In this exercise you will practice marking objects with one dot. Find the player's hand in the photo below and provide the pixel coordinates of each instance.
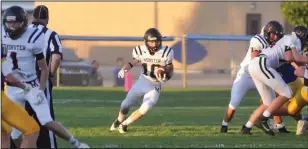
(121, 73)
(27, 88)
(35, 96)
(161, 78)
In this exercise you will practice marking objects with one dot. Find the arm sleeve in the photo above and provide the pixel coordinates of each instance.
(170, 56)
(56, 45)
(256, 44)
(136, 53)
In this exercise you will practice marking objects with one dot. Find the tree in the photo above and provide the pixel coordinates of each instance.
(296, 13)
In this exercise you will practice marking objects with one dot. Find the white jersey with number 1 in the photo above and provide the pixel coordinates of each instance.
(21, 60)
(162, 57)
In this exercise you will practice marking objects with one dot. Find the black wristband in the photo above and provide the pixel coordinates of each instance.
(51, 75)
(130, 64)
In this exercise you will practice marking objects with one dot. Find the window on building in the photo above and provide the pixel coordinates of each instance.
(253, 24)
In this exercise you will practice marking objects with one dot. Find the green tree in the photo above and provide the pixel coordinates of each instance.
(296, 13)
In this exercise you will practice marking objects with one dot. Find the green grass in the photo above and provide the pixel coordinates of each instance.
(182, 118)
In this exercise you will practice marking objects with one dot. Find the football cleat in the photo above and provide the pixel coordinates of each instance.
(115, 125)
(223, 129)
(246, 130)
(122, 128)
(301, 126)
(283, 130)
(263, 125)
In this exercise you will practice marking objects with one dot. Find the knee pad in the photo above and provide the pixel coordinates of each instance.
(15, 134)
(287, 92)
(145, 107)
(234, 103)
(125, 105)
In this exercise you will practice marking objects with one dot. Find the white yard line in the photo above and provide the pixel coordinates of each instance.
(67, 101)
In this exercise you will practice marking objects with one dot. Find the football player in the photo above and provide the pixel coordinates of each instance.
(154, 58)
(24, 47)
(267, 80)
(302, 124)
(243, 81)
(286, 71)
(14, 115)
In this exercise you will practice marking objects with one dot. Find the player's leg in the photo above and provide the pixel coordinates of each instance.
(267, 94)
(42, 112)
(16, 116)
(261, 77)
(303, 124)
(276, 83)
(46, 137)
(131, 98)
(6, 130)
(17, 96)
(149, 100)
(240, 86)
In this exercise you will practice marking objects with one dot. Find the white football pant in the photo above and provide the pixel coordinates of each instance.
(142, 87)
(42, 110)
(267, 80)
(242, 83)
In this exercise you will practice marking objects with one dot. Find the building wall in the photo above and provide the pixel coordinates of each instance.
(171, 18)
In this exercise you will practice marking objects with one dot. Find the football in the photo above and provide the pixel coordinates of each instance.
(161, 71)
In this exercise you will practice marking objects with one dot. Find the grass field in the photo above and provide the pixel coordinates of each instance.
(182, 118)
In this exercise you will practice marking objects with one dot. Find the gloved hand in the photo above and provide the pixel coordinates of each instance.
(27, 88)
(161, 78)
(121, 73)
(35, 96)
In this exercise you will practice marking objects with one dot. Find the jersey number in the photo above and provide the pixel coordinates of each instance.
(14, 60)
(151, 71)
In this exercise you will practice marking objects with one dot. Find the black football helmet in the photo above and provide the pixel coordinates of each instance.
(302, 33)
(273, 27)
(152, 34)
(15, 14)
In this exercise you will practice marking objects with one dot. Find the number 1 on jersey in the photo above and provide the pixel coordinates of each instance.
(13, 56)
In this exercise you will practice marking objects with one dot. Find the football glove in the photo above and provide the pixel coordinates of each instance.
(27, 88)
(161, 78)
(35, 96)
(121, 73)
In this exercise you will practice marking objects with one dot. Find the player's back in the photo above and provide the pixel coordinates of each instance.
(21, 53)
(257, 42)
(275, 55)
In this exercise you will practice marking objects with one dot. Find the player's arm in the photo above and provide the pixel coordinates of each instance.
(294, 65)
(256, 46)
(41, 61)
(130, 65)
(9, 77)
(292, 55)
(136, 59)
(300, 71)
(169, 67)
(56, 53)
(14, 82)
